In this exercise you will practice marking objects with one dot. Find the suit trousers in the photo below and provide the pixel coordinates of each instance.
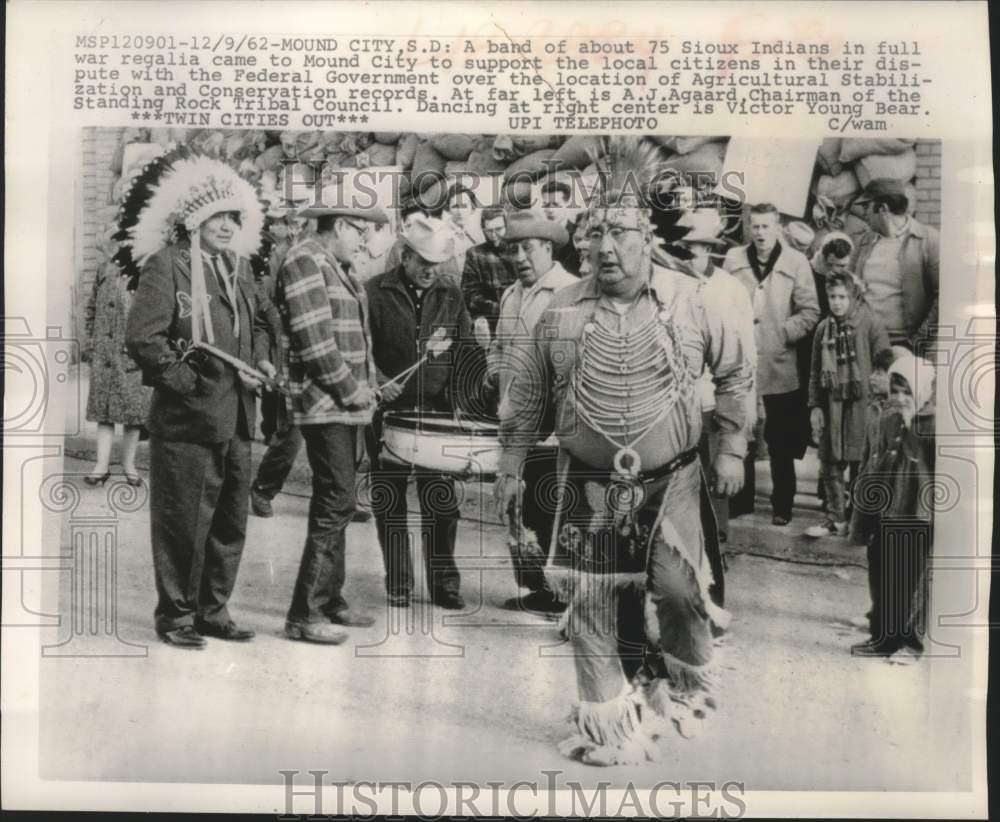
(198, 516)
(332, 452)
(782, 432)
(439, 515)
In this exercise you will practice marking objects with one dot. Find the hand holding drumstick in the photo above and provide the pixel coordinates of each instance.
(437, 344)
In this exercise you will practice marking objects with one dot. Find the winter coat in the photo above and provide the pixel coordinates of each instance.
(919, 264)
(870, 337)
(398, 341)
(117, 394)
(785, 310)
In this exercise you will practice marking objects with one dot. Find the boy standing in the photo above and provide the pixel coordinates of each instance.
(898, 472)
(843, 351)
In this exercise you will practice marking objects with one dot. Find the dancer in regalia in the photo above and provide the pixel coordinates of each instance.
(612, 371)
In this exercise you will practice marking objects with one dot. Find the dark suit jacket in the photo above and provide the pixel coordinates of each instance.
(198, 398)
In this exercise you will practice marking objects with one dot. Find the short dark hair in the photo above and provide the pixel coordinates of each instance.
(457, 190)
(883, 359)
(837, 247)
(491, 213)
(557, 186)
(765, 208)
(325, 223)
(897, 203)
(410, 207)
(844, 280)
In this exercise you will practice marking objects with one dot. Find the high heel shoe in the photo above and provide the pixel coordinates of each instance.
(133, 479)
(90, 479)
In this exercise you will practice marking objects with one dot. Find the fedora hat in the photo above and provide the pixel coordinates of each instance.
(430, 238)
(344, 198)
(881, 187)
(705, 225)
(522, 225)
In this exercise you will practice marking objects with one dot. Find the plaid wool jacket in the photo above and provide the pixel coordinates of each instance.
(326, 337)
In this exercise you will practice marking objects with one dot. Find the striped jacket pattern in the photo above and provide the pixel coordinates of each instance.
(326, 337)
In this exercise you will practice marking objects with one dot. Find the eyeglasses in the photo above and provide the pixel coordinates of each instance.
(615, 232)
(361, 229)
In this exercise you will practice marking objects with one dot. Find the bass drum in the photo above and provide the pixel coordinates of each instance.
(437, 441)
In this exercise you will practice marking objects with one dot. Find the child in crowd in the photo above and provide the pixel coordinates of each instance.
(893, 514)
(844, 349)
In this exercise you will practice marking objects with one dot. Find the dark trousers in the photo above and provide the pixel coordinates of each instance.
(898, 582)
(278, 459)
(198, 498)
(332, 452)
(439, 517)
(782, 432)
(538, 510)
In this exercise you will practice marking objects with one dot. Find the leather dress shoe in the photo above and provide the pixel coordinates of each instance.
(227, 630)
(537, 602)
(451, 601)
(259, 504)
(876, 648)
(183, 637)
(322, 633)
(352, 619)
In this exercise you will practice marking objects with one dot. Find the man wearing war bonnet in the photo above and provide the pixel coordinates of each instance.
(188, 227)
(612, 370)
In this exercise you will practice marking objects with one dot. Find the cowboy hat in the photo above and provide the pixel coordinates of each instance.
(343, 197)
(430, 238)
(522, 225)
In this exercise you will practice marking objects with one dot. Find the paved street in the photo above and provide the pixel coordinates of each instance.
(480, 694)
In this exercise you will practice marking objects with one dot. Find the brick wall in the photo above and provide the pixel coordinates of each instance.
(94, 209)
(928, 182)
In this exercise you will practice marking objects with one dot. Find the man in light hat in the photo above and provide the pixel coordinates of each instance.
(532, 241)
(897, 261)
(332, 381)
(408, 304)
(722, 290)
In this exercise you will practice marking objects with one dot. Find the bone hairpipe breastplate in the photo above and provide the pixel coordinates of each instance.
(625, 386)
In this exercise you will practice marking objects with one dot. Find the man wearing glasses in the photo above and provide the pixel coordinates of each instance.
(613, 371)
(332, 380)
(897, 262)
(487, 272)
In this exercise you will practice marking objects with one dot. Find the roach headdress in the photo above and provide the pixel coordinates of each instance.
(634, 190)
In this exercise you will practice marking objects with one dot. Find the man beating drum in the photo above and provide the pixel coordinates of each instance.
(613, 371)
(408, 304)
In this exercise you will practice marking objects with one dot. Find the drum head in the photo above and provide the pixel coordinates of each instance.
(438, 422)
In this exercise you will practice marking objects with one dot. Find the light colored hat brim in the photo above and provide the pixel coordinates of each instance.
(539, 228)
(430, 253)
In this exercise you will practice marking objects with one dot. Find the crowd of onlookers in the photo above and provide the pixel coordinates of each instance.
(843, 330)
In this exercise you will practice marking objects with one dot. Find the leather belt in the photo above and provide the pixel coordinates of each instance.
(646, 477)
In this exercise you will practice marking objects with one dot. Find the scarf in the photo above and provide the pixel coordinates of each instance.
(839, 372)
(839, 360)
(761, 271)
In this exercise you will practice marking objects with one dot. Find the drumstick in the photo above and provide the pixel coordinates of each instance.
(239, 365)
(437, 344)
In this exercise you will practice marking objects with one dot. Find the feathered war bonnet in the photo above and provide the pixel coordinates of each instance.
(633, 192)
(181, 190)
